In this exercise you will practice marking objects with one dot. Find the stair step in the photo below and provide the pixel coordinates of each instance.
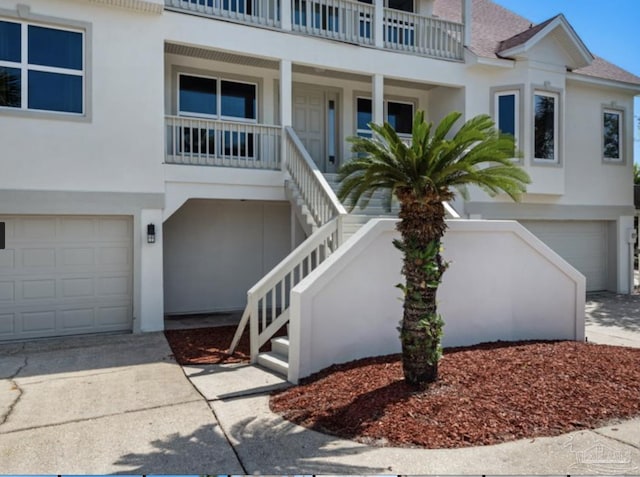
(275, 362)
(280, 346)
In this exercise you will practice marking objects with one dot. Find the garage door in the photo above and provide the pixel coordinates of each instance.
(65, 275)
(581, 243)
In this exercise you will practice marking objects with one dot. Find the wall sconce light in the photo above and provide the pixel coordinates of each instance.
(151, 233)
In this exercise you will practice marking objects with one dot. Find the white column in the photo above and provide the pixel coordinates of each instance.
(286, 81)
(466, 21)
(378, 23)
(285, 14)
(286, 106)
(377, 99)
(151, 305)
(625, 254)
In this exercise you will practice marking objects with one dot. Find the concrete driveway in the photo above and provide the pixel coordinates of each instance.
(109, 404)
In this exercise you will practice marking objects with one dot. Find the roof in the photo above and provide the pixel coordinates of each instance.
(495, 29)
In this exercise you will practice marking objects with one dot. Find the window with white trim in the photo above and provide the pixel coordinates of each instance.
(545, 126)
(42, 68)
(218, 99)
(399, 114)
(507, 114)
(612, 135)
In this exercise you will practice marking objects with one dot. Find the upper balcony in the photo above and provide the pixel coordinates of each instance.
(366, 23)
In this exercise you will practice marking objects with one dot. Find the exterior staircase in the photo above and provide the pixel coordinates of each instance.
(327, 225)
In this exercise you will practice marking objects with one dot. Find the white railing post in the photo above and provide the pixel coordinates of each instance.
(285, 14)
(378, 23)
(254, 328)
(466, 22)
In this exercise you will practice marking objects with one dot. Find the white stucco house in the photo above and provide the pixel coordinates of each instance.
(163, 156)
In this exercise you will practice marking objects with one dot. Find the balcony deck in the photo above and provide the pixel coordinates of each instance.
(341, 20)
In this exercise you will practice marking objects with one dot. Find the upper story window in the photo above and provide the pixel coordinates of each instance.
(612, 135)
(546, 126)
(41, 68)
(216, 98)
(398, 114)
(507, 114)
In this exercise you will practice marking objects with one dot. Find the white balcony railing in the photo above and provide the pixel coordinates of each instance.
(344, 20)
(259, 12)
(204, 142)
(422, 35)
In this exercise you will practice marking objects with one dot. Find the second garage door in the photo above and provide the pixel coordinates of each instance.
(581, 243)
(65, 275)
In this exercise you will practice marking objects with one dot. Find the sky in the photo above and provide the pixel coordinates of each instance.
(610, 29)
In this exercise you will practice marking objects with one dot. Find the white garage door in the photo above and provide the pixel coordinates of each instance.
(581, 243)
(65, 275)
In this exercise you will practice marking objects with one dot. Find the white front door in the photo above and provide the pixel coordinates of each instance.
(315, 122)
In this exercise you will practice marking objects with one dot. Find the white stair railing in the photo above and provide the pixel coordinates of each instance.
(314, 189)
(268, 300)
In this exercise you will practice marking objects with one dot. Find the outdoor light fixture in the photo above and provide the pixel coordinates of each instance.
(151, 233)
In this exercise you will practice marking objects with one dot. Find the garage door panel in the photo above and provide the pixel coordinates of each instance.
(110, 286)
(112, 316)
(38, 258)
(39, 321)
(65, 275)
(7, 324)
(78, 287)
(7, 291)
(75, 319)
(78, 257)
(38, 289)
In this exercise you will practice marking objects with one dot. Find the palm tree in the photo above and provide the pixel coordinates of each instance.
(421, 176)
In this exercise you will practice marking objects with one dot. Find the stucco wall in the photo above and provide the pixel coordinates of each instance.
(502, 284)
(215, 250)
(120, 148)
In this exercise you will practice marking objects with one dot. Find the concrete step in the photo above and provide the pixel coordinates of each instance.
(275, 362)
(280, 346)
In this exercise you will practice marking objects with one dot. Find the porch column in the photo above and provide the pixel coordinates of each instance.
(285, 15)
(466, 21)
(377, 99)
(378, 23)
(286, 107)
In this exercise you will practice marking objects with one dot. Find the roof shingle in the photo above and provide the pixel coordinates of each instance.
(494, 28)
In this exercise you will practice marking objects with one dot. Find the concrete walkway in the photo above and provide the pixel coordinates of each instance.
(107, 404)
(120, 404)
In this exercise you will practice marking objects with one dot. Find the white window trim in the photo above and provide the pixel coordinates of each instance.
(386, 113)
(556, 128)
(25, 18)
(620, 113)
(219, 116)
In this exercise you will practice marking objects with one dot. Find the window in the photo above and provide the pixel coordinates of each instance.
(217, 99)
(545, 134)
(41, 68)
(612, 135)
(398, 114)
(506, 111)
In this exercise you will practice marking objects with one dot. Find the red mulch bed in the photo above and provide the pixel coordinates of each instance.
(486, 394)
(210, 345)
(207, 345)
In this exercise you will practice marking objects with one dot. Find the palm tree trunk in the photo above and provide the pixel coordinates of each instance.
(421, 226)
